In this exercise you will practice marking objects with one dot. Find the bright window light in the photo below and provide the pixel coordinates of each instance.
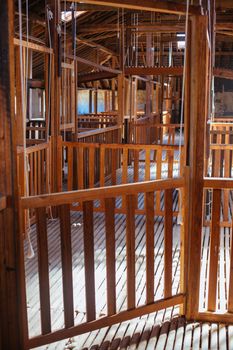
(181, 42)
(66, 16)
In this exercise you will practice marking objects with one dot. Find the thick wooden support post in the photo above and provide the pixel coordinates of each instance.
(10, 324)
(55, 76)
(198, 112)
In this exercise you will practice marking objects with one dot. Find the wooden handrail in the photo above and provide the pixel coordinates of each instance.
(158, 125)
(98, 132)
(218, 183)
(130, 146)
(55, 199)
(34, 148)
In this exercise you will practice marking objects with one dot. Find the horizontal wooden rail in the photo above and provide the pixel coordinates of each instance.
(97, 193)
(97, 132)
(218, 183)
(106, 321)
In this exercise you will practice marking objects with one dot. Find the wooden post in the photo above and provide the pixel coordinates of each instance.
(11, 317)
(148, 83)
(198, 113)
(55, 76)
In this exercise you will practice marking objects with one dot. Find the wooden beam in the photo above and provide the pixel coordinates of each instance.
(84, 78)
(199, 62)
(12, 317)
(176, 71)
(223, 73)
(33, 46)
(147, 5)
(93, 44)
(96, 65)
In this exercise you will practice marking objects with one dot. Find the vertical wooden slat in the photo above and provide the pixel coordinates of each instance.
(130, 250)
(80, 168)
(102, 166)
(230, 290)
(66, 253)
(158, 176)
(89, 261)
(91, 167)
(35, 173)
(114, 166)
(70, 169)
(170, 160)
(125, 165)
(149, 247)
(39, 171)
(168, 202)
(110, 254)
(136, 166)
(214, 249)
(43, 268)
(147, 165)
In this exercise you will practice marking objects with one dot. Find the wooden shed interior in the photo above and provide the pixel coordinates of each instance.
(116, 181)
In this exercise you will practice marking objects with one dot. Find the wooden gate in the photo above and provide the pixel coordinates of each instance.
(40, 284)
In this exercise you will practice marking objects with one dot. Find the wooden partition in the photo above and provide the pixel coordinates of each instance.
(216, 277)
(70, 325)
(35, 132)
(103, 135)
(85, 165)
(221, 158)
(151, 133)
(97, 121)
(34, 171)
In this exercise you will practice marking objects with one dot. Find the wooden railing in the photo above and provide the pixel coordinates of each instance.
(35, 132)
(216, 292)
(97, 121)
(221, 158)
(150, 133)
(91, 165)
(105, 135)
(34, 171)
(168, 295)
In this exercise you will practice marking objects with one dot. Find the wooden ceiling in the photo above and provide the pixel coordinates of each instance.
(98, 32)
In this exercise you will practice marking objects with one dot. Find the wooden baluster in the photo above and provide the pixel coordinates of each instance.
(80, 168)
(149, 247)
(110, 254)
(89, 261)
(60, 163)
(168, 239)
(43, 267)
(43, 173)
(70, 169)
(136, 166)
(214, 249)
(130, 250)
(91, 167)
(158, 176)
(114, 166)
(35, 174)
(102, 166)
(66, 253)
(230, 290)
(31, 174)
(170, 160)
(147, 165)
(39, 167)
(227, 173)
(124, 172)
